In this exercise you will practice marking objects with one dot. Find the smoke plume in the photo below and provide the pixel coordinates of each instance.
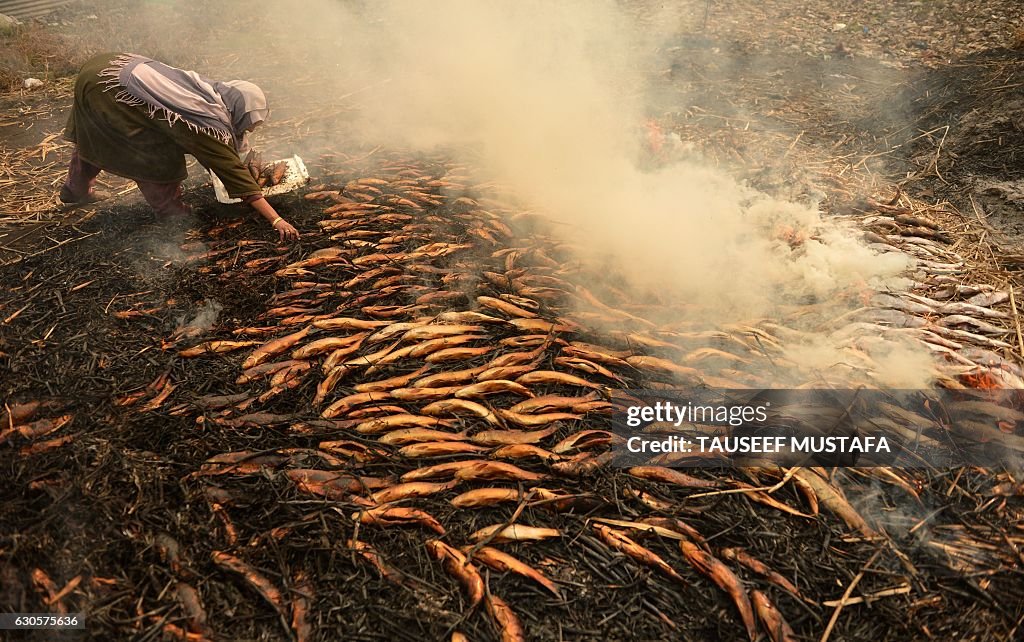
(549, 99)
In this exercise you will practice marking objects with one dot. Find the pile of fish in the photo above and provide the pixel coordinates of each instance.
(430, 325)
(265, 174)
(968, 324)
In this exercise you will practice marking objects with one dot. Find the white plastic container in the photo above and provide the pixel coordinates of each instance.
(295, 176)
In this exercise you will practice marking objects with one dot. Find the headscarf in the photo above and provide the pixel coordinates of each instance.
(223, 110)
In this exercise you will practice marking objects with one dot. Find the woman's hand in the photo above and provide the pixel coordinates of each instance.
(286, 230)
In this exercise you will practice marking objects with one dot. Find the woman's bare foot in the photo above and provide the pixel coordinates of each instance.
(68, 198)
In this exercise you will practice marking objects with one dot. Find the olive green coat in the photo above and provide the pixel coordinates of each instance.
(124, 140)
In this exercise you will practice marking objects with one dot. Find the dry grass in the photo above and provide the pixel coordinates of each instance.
(1017, 39)
(33, 50)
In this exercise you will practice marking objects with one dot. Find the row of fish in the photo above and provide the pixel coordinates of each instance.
(465, 352)
(469, 353)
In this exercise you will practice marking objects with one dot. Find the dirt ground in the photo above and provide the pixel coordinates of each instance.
(842, 102)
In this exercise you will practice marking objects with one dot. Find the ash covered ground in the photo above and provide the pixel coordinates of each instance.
(166, 500)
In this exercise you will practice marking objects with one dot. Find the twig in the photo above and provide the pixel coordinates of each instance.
(1013, 631)
(52, 247)
(898, 590)
(1016, 324)
(793, 144)
(938, 152)
(511, 520)
(985, 225)
(365, 156)
(14, 315)
(362, 89)
(64, 592)
(765, 489)
(843, 601)
(926, 519)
